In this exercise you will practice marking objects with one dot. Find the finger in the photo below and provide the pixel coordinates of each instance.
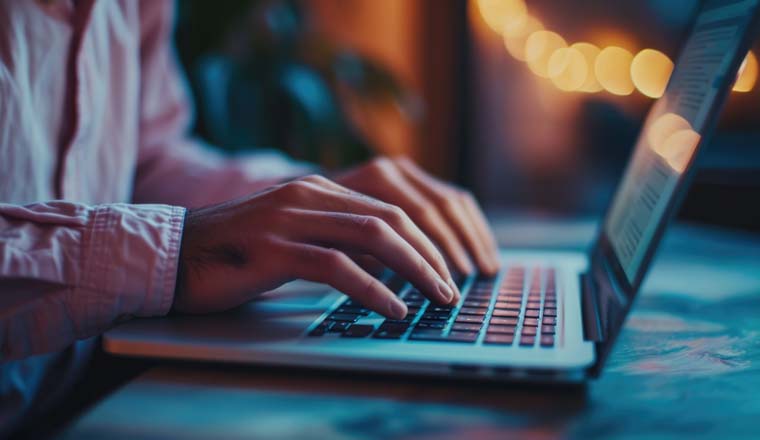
(368, 263)
(424, 212)
(334, 197)
(449, 203)
(483, 228)
(373, 236)
(336, 269)
(398, 191)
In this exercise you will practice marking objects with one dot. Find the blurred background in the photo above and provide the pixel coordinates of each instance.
(533, 104)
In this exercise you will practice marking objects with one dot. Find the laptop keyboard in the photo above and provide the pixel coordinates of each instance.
(517, 307)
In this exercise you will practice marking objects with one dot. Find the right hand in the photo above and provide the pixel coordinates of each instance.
(304, 229)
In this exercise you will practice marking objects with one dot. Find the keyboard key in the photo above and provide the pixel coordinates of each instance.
(396, 284)
(385, 334)
(530, 322)
(427, 335)
(504, 329)
(470, 319)
(475, 303)
(527, 341)
(358, 331)
(508, 305)
(391, 327)
(390, 331)
(550, 304)
(466, 327)
(339, 326)
(459, 336)
(479, 296)
(440, 309)
(435, 317)
(506, 313)
(547, 341)
(348, 317)
(320, 330)
(529, 331)
(531, 313)
(549, 320)
(550, 312)
(473, 311)
(407, 320)
(503, 321)
(533, 305)
(516, 293)
(499, 339)
(547, 330)
(431, 324)
(353, 310)
(414, 295)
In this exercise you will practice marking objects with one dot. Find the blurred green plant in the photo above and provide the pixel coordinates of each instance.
(263, 78)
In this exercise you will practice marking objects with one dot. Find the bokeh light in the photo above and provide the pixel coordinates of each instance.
(539, 48)
(583, 66)
(590, 52)
(664, 127)
(516, 34)
(613, 70)
(650, 72)
(496, 13)
(679, 148)
(568, 69)
(747, 77)
(673, 138)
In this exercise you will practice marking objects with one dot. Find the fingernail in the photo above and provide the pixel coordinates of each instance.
(445, 291)
(454, 287)
(397, 309)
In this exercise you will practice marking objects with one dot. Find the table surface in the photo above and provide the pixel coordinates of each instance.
(686, 364)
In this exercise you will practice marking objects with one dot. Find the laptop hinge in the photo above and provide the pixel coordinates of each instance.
(592, 326)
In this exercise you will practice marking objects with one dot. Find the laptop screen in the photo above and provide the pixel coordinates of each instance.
(673, 130)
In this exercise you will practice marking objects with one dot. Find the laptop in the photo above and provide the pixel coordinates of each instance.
(547, 316)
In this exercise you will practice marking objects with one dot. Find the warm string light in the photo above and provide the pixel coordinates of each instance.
(582, 66)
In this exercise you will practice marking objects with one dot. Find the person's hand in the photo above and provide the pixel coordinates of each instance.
(448, 215)
(311, 229)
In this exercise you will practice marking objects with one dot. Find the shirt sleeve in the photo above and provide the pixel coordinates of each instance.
(69, 271)
(172, 167)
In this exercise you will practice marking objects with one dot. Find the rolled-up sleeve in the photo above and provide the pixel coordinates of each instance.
(69, 271)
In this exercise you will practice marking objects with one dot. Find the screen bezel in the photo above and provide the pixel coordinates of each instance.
(603, 247)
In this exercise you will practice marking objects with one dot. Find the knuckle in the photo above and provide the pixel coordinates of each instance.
(384, 166)
(375, 227)
(464, 194)
(307, 256)
(296, 190)
(449, 203)
(395, 215)
(334, 262)
(424, 211)
(315, 178)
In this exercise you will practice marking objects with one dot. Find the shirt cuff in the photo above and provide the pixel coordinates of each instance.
(130, 258)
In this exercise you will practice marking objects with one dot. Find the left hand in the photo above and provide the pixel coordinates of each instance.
(448, 215)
